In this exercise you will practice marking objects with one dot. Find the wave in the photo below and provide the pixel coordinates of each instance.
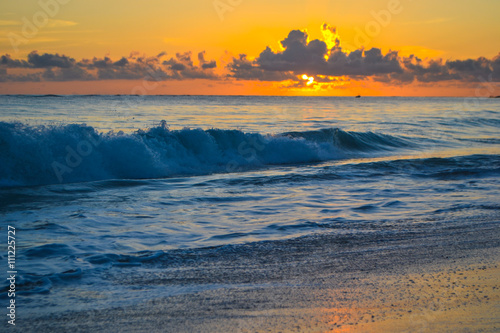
(39, 155)
(435, 168)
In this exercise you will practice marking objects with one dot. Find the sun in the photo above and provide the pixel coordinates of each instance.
(310, 79)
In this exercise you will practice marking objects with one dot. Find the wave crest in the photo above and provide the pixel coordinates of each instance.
(36, 155)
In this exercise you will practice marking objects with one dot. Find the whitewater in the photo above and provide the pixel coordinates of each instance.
(119, 200)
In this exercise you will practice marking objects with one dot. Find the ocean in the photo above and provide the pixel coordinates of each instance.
(119, 200)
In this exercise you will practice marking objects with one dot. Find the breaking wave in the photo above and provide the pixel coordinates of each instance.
(38, 155)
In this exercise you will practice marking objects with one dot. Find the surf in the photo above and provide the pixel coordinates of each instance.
(40, 155)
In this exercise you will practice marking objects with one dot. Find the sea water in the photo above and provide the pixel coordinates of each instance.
(102, 189)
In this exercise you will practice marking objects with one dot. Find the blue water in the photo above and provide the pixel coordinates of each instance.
(102, 187)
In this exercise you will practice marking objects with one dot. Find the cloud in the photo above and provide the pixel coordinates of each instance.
(8, 62)
(314, 57)
(182, 67)
(324, 60)
(298, 55)
(301, 56)
(74, 73)
(437, 70)
(134, 67)
(206, 64)
(50, 60)
(433, 70)
(480, 68)
(327, 58)
(55, 67)
(362, 63)
(243, 69)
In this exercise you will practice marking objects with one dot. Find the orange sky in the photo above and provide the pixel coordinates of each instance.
(87, 29)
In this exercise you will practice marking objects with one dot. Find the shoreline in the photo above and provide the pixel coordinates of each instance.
(408, 287)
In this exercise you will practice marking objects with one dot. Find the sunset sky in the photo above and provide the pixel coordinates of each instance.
(248, 47)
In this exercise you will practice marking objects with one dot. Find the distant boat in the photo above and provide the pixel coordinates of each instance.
(358, 96)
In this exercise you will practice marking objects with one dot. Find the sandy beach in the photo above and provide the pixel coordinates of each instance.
(407, 287)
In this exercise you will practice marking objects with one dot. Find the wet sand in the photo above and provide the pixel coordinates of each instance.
(404, 287)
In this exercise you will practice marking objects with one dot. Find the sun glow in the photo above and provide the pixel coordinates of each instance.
(330, 36)
(310, 79)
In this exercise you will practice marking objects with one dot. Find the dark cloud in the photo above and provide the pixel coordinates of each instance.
(301, 56)
(132, 68)
(206, 64)
(32, 77)
(95, 63)
(7, 61)
(122, 62)
(495, 66)
(176, 66)
(298, 55)
(414, 68)
(209, 65)
(326, 60)
(480, 69)
(182, 67)
(181, 62)
(67, 74)
(135, 67)
(243, 69)
(437, 70)
(362, 63)
(50, 60)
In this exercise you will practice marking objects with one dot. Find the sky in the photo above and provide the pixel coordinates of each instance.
(251, 47)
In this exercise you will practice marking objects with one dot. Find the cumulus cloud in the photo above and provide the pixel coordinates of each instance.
(477, 68)
(50, 60)
(182, 67)
(6, 61)
(437, 70)
(326, 57)
(73, 73)
(243, 69)
(55, 67)
(206, 64)
(314, 57)
(325, 61)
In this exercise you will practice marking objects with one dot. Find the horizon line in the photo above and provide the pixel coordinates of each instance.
(237, 95)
